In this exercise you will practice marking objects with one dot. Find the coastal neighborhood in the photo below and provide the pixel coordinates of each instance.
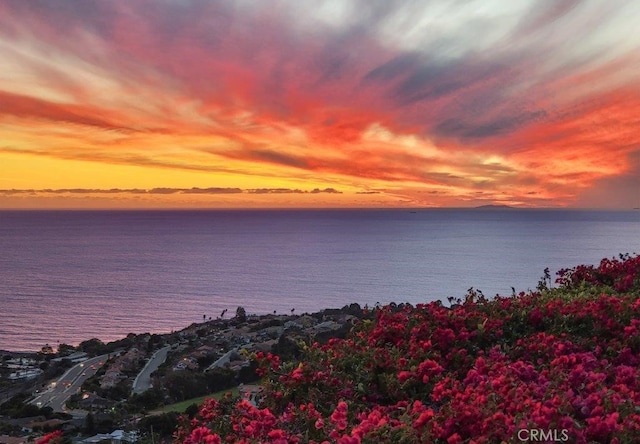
(125, 391)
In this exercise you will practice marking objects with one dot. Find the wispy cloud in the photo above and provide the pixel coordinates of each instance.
(194, 190)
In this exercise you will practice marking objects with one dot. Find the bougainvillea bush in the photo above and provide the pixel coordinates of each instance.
(560, 364)
(55, 437)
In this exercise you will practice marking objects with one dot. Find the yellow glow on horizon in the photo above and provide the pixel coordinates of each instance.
(27, 171)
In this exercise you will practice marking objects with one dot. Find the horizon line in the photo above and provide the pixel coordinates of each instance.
(355, 208)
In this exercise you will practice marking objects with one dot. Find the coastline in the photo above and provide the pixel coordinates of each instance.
(218, 323)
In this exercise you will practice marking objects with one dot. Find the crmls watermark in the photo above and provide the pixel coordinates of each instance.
(540, 435)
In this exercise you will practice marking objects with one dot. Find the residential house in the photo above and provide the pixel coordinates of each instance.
(115, 437)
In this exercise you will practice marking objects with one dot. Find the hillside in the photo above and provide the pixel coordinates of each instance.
(561, 364)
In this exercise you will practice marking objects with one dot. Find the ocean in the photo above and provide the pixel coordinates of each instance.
(68, 276)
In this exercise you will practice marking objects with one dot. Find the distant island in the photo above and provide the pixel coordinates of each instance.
(494, 207)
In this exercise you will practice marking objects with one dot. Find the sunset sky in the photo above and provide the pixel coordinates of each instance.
(371, 103)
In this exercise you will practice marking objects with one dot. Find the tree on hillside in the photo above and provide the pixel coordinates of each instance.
(241, 314)
(65, 349)
(90, 424)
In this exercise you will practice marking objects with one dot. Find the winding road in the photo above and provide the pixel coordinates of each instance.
(142, 383)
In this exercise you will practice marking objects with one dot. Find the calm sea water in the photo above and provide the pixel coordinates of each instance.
(67, 276)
